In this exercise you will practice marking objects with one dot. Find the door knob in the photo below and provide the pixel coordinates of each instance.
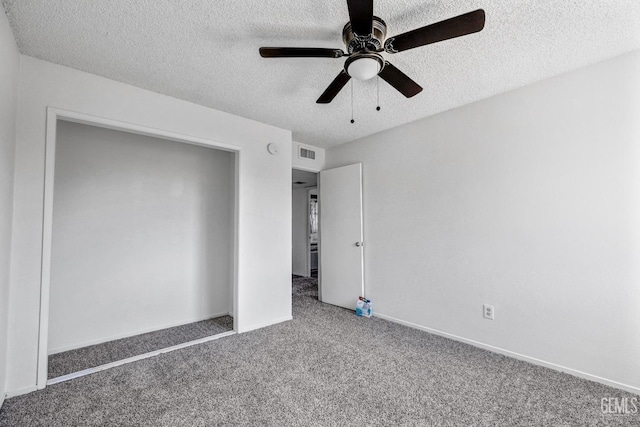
(358, 244)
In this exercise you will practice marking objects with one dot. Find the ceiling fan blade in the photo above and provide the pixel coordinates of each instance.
(399, 80)
(300, 52)
(462, 25)
(361, 15)
(334, 88)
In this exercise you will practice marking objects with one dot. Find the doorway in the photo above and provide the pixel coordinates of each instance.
(305, 234)
(119, 225)
(331, 216)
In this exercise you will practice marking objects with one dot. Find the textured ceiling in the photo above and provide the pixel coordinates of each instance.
(206, 52)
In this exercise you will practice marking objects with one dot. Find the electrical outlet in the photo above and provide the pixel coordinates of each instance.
(487, 311)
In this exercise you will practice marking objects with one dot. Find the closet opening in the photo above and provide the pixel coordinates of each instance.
(140, 251)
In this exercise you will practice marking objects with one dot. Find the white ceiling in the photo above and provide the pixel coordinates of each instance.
(303, 179)
(206, 52)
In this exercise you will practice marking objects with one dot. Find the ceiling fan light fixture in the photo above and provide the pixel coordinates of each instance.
(364, 66)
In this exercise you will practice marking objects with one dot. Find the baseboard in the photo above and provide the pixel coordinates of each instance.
(132, 334)
(2, 400)
(264, 324)
(20, 391)
(533, 360)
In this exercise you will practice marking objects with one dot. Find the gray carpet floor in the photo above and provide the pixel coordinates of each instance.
(304, 286)
(325, 367)
(100, 354)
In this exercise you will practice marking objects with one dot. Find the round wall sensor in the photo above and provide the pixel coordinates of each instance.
(272, 148)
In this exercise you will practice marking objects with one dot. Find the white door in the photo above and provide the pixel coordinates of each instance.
(341, 246)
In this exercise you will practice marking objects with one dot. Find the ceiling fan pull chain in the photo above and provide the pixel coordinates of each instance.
(352, 121)
(378, 90)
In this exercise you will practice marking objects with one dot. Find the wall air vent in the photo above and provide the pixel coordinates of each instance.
(306, 153)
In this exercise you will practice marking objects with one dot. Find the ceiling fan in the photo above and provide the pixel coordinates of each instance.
(365, 38)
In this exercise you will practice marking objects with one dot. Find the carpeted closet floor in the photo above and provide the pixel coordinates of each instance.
(325, 367)
(92, 356)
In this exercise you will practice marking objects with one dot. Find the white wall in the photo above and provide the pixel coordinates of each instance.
(300, 234)
(311, 165)
(529, 201)
(9, 66)
(142, 235)
(264, 276)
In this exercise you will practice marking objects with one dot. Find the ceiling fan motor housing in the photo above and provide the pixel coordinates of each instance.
(365, 43)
